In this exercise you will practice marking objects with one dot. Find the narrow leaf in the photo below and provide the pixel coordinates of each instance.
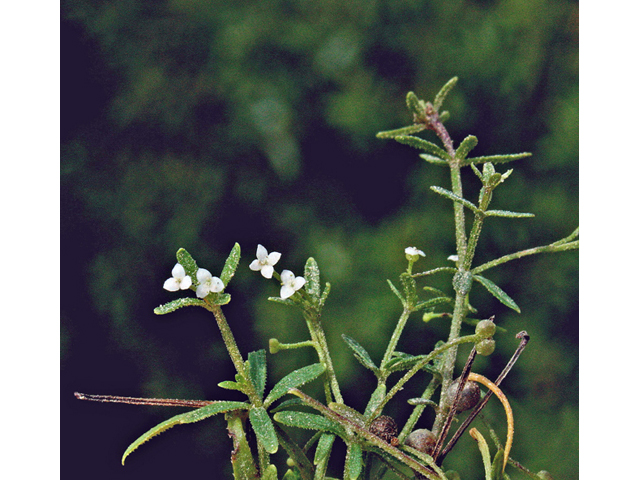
(323, 450)
(465, 147)
(230, 385)
(283, 301)
(434, 302)
(305, 467)
(434, 160)
(325, 294)
(452, 196)
(176, 304)
(422, 144)
(230, 265)
(484, 451)
(219, 298)
(189, 417)
(414, 105)
(353, 463)
(309, 421)
(270, 473)
(258, 370)
(497, 292)
(496, 158)
(360, 353)
(508, 214)
(395, 290)
(444, 91)
(376, 398)
(401, 131)
(263, 428)
(293, 380)
(312, 277)
(497, 465)
(187, 261)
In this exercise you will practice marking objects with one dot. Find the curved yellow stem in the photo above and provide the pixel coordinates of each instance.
(507, 408)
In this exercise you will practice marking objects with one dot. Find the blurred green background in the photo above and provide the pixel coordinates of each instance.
(197, 124)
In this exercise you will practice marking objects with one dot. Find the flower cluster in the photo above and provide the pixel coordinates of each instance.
(181, 281)
(265, 262)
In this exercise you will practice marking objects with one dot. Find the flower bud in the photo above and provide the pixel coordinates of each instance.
(422, 440)
(486, 347)
(485, 328)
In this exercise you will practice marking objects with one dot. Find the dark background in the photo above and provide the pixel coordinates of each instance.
(198, 124)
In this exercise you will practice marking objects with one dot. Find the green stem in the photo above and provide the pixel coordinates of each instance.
(552, 248)
(417, 411)
(395, 337)
(234, 352)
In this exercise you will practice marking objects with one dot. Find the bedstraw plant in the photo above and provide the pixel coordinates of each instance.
(376, 446)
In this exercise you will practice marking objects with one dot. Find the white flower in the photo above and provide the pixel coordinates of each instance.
(413, 251)
(290, 284)
(208, 283)
(453, 258)
(265, 261)
(179, 280)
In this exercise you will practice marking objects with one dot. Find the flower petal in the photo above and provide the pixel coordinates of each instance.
(185, 283)
(171, 284)
(286, 291)
(273, 258)
(287, 277)
(261, 253)
(255, 265)
(266, 271)
(203, 275)
(178, 271)
(202, 290)
(216, 285)
(299, 283)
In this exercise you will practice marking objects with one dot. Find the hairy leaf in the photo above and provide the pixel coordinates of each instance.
(353, 462)
(230, 265)
(349, 413)
(189, 417)
(465, 147)
(508, 214)
(422, 144)
(263, 428)
(312, 277)
(176, 304)
(360, 353)
(497, 292)
(309, 421)
(496, 158)
(401, 131)
(323, 450)
(452, 196)
(434, 160)
(293, 380)
(444, 91)
(258, 370)
(187, 261)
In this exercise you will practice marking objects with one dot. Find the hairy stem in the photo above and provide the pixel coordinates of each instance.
(395, 337)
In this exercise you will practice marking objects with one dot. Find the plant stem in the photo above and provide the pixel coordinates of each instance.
(551, 248)
(417, 411)
(395, 337)
(234, 352)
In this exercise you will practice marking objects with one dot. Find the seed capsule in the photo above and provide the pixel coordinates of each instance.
(386, 428)
(422, 439)
(469, 397)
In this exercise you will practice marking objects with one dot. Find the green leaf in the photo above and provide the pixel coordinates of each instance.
(360, 353)
(309, 421)
(422, 144)
(189, 417)
(353, 462)
(293, 380)
(189, 264)
(410, 289)
(404, 361)
(312, 277)
(484, 451)
(465, 147)
(376, 399)
(230, 265)
(452, 196)
(270, 473)
(349, 413)
(323, 450)
(283, 301)
(395, 290)
(218, 298)
(497, 465)
(263, 428)
(496, 158)
(444, 91)
(401, 131)
(258, 370)
(507, 214)
(176, 304)
(416, 106)
(434, 302)
(434, 160)
(325, 294)
(497, 292)
(302, 463)
(230, 385)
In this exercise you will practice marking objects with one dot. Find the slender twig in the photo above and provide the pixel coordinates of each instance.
(551, 248)
(524, 339)
(161, 402)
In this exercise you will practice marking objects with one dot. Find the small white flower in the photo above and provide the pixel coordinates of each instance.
(290, 284)
(453, 258)
(208, 283)
(265, 261)
(179, 279)
(413, 251)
